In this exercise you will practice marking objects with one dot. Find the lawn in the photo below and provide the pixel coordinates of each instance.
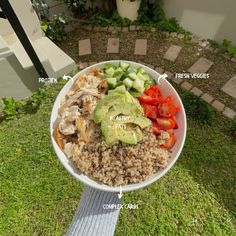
(38, 197)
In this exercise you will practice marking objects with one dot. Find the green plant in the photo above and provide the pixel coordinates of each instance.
(13, 108)
(54, 28)
(225, 46)
(76, 6)
(197, 108)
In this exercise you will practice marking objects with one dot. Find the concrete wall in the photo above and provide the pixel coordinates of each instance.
(214, 19)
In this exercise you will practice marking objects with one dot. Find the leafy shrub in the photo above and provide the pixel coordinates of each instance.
(77, 6)
(54, 27)
(13, 108)
(225, 46)
(197, 108)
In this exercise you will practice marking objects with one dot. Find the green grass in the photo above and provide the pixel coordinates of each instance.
(38, 196)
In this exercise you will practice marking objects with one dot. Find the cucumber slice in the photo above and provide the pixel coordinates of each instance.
(142, 77)
(141, 70)
(134, 92)
(133, 76)
(112, 82)
(139, 85)
(110, 71)
(118, 73)
(128, 82)
(109, 65)
(124, 65)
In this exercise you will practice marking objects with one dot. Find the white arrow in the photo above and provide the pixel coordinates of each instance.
(164, 76)
(120, 195)
(67, 77)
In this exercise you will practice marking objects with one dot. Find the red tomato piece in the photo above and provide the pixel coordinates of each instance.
(148, 100)
(155, 92)
(150, 111)
(176, 124)
(170, 142)
(165, 123)
(167, 108)
(155, 129)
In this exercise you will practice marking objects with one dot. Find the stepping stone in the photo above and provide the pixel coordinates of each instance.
(186, 85)
(230, 87)
(140, 47)
(207, 98)
(84, 47)
(229, 113)
(201, 66)
(172, 53)
(196, 91)
(219, 106)
(113, 45)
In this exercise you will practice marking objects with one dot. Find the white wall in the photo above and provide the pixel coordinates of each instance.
(215, 19)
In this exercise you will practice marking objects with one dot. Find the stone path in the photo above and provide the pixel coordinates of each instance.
(202, 65)
(172, 53)
(230, 87)
(84, 47)
(140, 47)
(113, 45)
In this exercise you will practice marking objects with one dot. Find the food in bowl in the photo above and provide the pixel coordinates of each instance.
(116, 125)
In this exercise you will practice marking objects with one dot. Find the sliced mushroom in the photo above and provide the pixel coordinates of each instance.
(66, 127)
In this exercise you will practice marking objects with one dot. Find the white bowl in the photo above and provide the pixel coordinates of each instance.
(180, 133)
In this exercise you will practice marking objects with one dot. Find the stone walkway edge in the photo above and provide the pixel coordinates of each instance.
(216, 104)
(131, 28)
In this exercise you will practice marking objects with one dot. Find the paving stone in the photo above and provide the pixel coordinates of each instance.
(140, 47)
(125, 29)
(194, 39)
(84, 47)
(167, 34)
(196, 91)
(104, 29)
(177, 80)
(117, 29)
(113, 45)
(207, 98)
(169, 74)
(172, 53)
(132, 27)
(233, 59)
(173, 34)
(219, 106)
(186, 85)
(159, 70)
(201, 66)
(229, 113)
(83, 65)
(92, 63)
(227, 56)
(180, 36)
(153, 29)
(230, 87)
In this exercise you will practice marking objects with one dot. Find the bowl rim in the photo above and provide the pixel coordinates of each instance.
(100, 186)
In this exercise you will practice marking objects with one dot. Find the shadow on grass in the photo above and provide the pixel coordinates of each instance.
(210, 156)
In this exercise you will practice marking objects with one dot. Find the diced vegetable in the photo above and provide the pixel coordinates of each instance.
(111, 82)
(170, 142)
(165, 123)
(128, 83)
(110, 71)
(133, 76)
(124, 65)
(168, 108)
(139, 85)
(142, 77)
(141, 70)
(155, 92)
(148, 100)
(150, 111)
